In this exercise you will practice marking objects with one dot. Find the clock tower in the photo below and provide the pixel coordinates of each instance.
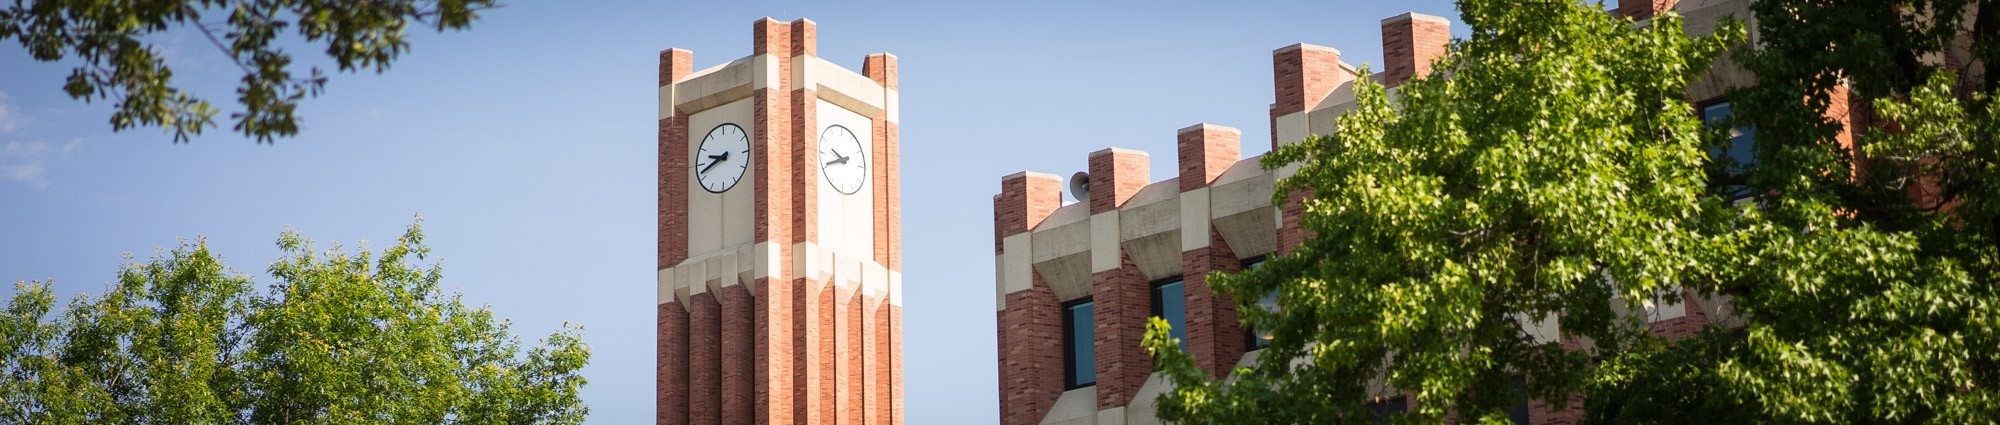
(780, 282)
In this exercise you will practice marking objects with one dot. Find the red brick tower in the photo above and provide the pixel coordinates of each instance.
(780, 283)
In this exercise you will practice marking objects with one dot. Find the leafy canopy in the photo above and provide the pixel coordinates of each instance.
(1866, 260)
(1550, 173)
(111, 39)
(339, 338)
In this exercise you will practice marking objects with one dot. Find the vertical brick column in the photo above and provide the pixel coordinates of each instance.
(773, 307)
(738, 373)
(673, 184)
(1410, 43)
(772, 313)
(1302, 76)
(852, 360)
(1214, 336)
(1122, 303)
(1030, 324)
(881, 67)
(672, 340)
(1118, 291)
(671, 406)
(874, 358)
(1640, 10)
(895, 362)
(876, 376)
(704, 359)
(825, 355)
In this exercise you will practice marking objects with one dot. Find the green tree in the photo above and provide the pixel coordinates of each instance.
(339, 338)
(1866, 263)
(120, 62)
(1551, 171)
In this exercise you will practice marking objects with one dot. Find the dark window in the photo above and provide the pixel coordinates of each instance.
(1519, 413)
(1388, 407)
(1252, 339)
(1735, 158)
(1079, 345)
(1170, 303)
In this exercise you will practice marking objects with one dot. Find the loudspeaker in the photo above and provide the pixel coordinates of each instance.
(1079, 186)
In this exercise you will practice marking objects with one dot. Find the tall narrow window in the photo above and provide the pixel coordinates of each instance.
(1735, 158)
(1519, 413)
(1253, 338)
(1079, 345)
(1170, 303)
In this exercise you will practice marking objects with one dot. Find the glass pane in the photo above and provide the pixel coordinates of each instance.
(1389, 407)
(1082, 344)
(1740, 152)
(1170, 302)
(1269, 302)
(1519, 413)
(1253, 338)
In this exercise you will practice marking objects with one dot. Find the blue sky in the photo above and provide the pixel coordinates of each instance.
(528, 146)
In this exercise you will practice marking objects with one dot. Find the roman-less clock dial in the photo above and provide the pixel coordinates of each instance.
(722, 159)
(842, 159)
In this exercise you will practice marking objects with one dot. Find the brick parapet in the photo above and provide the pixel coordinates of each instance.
(1303, 74)
(1115, 175)
(674, 64)
(1025, 199)
(1410, 43)
(880, 67)
(770, 36)
(805, 38)
(1205, 151)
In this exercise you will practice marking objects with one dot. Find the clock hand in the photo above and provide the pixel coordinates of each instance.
(717, 160)
(842, 160)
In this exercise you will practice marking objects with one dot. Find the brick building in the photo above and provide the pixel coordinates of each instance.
(780, 283)
(1076, 282)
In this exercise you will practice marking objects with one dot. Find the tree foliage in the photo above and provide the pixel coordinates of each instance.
(1553, 173)
(1867, 264)
(339, 338)
(113, 40)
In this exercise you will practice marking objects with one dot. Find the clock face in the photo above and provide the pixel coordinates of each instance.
(722, 159)
(843, 159)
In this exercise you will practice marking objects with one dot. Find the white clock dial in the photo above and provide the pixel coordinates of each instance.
(843, 159)
(723, 157)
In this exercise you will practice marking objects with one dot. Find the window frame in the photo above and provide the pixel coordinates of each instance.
(1740, 189)
(1069, 336)
(1158, 308)
(1250, 340)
